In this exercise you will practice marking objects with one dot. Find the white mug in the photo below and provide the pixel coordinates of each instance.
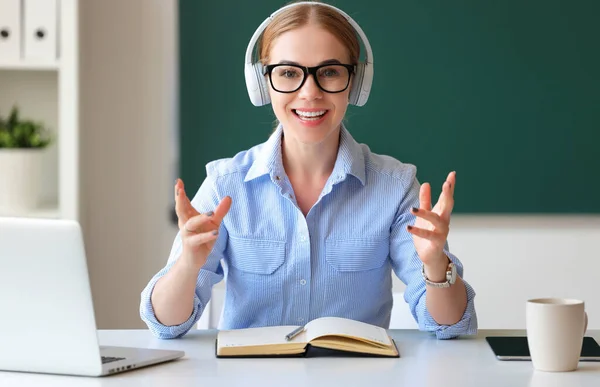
(555, 330)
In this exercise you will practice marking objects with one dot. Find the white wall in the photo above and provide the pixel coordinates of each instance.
(129, 110)
(509, 259)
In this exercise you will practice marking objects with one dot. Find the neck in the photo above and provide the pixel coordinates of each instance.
(310, 162)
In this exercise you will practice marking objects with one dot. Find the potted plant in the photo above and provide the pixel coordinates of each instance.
(21, 145)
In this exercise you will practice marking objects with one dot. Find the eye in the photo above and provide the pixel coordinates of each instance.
(288, 72)
(329, 72)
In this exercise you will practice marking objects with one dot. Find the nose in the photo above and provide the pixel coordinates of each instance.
(310, 91)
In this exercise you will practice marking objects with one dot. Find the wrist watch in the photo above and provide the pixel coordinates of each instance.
(450, 277)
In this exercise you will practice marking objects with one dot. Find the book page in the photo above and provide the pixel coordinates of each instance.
(336, 326)
(258, 336)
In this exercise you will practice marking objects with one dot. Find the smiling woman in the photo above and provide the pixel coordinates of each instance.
(310, 223)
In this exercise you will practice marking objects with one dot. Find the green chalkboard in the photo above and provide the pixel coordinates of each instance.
(505, 92)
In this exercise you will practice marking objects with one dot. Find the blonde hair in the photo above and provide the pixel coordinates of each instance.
(304, 14)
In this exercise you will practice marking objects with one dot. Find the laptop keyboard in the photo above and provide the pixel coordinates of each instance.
(110, 359)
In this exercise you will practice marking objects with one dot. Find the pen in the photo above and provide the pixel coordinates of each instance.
(294, 333)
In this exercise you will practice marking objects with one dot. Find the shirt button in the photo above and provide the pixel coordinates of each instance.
(302, 282)
(302, 238)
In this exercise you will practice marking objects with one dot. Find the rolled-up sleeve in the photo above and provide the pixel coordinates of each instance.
(210, 274)
(416, 296)
(407, 266)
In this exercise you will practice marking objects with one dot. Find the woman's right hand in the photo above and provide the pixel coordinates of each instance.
(198, 231)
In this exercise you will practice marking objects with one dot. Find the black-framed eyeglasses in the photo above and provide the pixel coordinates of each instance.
(288, 78)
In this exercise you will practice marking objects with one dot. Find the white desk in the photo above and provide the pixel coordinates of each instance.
(424, 361)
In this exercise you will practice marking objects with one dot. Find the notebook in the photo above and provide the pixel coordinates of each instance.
(325, 336)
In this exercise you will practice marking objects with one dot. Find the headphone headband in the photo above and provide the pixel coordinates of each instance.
(268, 20)
(257, 88)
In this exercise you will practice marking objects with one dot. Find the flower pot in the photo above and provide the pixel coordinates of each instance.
(20, 174)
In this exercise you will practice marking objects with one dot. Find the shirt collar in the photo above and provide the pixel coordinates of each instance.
(350, 158)
(269, 158)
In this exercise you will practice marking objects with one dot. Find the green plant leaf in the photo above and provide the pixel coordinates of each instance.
(17, 133)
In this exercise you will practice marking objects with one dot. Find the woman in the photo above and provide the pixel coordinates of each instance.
(310, 223)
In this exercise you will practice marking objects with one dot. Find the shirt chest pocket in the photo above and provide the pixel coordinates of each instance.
(356, 254)
(254, 282)
(256, 256)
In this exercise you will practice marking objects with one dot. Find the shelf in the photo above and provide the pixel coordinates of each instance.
(43, 211)
(47, 90)
(30, 65)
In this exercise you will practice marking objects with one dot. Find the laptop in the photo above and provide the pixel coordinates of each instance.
(48, 323)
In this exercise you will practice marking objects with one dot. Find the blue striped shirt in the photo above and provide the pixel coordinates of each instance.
(282, 268)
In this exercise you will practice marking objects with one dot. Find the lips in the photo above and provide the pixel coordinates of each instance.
(310, 114)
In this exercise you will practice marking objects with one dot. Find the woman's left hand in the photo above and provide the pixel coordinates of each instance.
(431, 228)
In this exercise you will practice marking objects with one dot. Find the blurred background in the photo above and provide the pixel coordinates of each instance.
(128, 111)
(111, 100)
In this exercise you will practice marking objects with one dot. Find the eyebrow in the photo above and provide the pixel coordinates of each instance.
(328, 61)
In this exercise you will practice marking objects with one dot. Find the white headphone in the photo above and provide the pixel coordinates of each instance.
(258, 88)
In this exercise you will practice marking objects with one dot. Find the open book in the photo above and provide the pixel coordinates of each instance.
(332, 333)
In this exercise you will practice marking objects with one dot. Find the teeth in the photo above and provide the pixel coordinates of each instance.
(310, 114)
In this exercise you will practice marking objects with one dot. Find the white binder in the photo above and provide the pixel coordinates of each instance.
(10, 30)
(40, 29)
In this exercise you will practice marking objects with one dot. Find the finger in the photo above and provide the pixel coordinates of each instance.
(181, 215)
(186, 209)
(431, 217)
(200, 222)
(221, 210)
(446, 201)
(201, 238)
(425, 197)
(426, 234)
(452, 180)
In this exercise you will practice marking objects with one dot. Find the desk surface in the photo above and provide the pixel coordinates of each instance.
(424, 361)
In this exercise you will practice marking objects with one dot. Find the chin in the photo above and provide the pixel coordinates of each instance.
(310, 135)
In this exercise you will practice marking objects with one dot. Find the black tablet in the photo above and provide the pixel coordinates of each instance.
(516, 348)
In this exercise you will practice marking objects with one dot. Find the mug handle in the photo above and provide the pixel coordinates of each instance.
(585, 324)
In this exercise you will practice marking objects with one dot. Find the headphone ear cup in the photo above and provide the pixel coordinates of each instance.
(361, 85)
(256, 84)
(357, 81)
(262, 83)
(252, 84)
